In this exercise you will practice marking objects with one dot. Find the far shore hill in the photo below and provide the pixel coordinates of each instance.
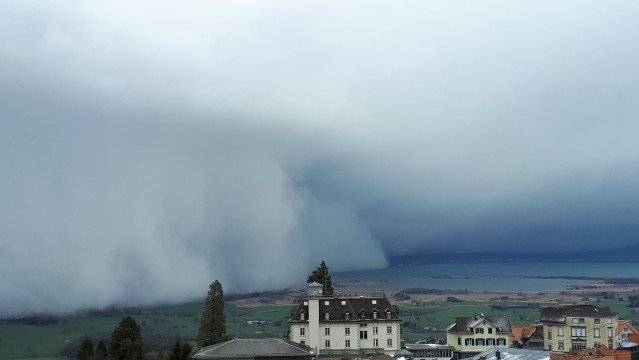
(626, 254)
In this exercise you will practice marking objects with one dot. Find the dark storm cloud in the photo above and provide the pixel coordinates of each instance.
(147, 149)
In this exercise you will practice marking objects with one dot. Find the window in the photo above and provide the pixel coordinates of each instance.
(597, 321)
(578, 344)
(347, 343)
(609, 343)
(343, 302)
(347, 331)
(363, 334)
(327, 343)
(479, 342)
(582, 320)
(458, 341)
(302, 316)
(362, 314)
(327, 302)
(501, 342)
(327, 316)
(327, 331)
(549, 334)
(575, 320)
(490, 342)
(490, 330)
(375, 330)
(609, 332)
(597, 332)
(560, 331)
(303, 342)
(388, 314)
(560, 345)
(375, 342)
(469, 342)
(302, 331)
(389, 329)
(389, 342)
(347, 316)
(374, 314)
(479, 331)
(608, 321)
(578, 332)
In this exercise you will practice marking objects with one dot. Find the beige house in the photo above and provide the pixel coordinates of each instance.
(345, 325)
(473, 335)
(578, 327)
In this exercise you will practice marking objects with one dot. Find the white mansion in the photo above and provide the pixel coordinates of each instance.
(345, 324)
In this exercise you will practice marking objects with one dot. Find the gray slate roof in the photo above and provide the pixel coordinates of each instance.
(355, 307)
(464, 324)
(253, 348)
(508, 353)
(558, 314)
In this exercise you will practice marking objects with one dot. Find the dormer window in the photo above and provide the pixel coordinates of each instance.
(301, 316)
(388, 314)
(374, 314)
(347, 316)
(327, 316)
(362, 315)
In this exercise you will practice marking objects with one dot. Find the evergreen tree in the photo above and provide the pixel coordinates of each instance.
(86, 350)
(181, 351)
(213, 325)
(322, 275)
(101, 352)
(126, 341)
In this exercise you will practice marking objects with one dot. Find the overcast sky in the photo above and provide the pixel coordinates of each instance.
(148, 148)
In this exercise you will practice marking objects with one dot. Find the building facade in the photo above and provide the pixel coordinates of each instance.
(345, 325)
(578, 327)
(473, 335)
(528, 337)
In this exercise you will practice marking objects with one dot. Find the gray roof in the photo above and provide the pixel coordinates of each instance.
(508, 353)
(465, 324)
(358, 308)
(416, 347)
(558, 314)
(253, 348)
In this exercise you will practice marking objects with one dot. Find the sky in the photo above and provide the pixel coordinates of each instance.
(147, 148)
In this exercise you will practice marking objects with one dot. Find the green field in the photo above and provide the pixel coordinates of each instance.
(48, 341)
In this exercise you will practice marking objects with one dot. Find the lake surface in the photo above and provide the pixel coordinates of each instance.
(510, 277)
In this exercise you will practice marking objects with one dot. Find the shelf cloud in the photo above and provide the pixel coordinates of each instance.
(146, 150)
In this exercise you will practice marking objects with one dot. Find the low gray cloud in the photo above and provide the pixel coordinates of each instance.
(148, 149)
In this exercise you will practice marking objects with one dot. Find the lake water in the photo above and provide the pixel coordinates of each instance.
(510, 277)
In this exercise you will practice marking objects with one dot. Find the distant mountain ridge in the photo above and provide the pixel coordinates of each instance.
(625, 254)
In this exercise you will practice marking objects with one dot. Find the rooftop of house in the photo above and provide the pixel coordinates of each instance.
(599, 353)
(253, 348)
(551, 314)
(341, 309)
(519, 334)
(466, 324)
(508, 353)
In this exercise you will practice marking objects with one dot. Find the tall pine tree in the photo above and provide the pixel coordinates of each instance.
(126, 341)
(213, 325)
(322, 275)
(86, 350)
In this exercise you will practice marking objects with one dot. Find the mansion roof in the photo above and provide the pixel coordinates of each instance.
(348, 309)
